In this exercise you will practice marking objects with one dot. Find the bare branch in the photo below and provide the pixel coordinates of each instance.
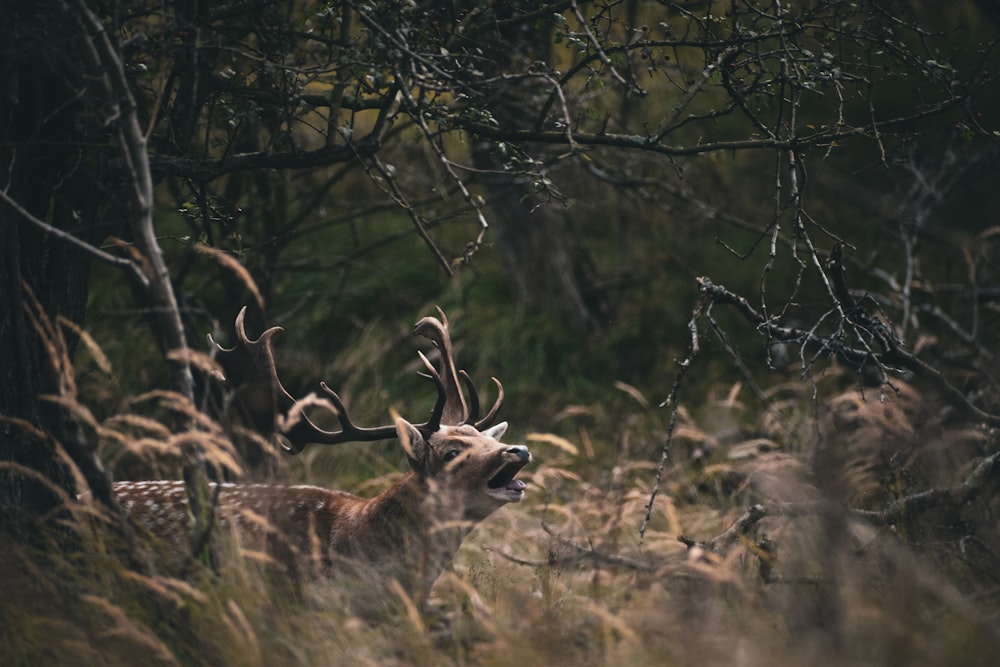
(857, 357)
(132, 140)
(208, 170)
(133, 269)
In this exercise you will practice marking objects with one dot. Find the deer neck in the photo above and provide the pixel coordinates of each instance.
(412, 523)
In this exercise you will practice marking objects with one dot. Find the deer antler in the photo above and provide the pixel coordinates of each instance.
(456, 411)
(435, 330)
(250, 370)
(474, 403)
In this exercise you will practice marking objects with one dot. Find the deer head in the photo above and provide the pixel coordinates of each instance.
(454, 446)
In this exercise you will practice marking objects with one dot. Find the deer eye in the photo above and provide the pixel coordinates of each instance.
(450, 455)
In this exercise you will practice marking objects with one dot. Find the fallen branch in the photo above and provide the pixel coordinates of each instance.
(738, 530)
(987, 471)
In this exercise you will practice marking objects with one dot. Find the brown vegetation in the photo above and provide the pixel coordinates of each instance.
(785, 534)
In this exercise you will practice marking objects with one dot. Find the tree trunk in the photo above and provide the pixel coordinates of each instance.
(546, 265)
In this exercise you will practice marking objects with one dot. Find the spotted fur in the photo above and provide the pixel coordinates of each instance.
(409, 533)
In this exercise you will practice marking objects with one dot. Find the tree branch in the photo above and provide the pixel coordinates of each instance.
(120, 262)
(653, 143)
(208, 170)
(893, 357)
(132, 140)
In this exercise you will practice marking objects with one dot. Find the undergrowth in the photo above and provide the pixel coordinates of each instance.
(854, 530)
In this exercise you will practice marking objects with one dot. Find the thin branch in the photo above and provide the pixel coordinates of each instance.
(595, 44)
(654, 144)
(895, 357)
(588, 553)
(207, 170)
(132, 140)
(738, 530)
(673, 400)
(389, 179)
(130, 267)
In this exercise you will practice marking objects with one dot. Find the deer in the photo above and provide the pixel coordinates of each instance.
(459, 473)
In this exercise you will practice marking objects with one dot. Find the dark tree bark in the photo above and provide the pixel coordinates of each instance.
(545, 264)
(44, 166)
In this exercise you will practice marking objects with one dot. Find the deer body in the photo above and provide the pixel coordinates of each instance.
(409, 533)
(459, 474)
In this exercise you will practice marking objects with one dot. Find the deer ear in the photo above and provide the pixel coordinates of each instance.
(496, 432)
(413, 444)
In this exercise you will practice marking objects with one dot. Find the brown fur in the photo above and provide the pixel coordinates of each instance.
(408, 533)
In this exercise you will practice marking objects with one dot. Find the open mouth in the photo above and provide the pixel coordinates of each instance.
(503, 485)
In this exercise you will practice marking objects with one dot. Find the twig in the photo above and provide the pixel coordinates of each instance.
(599, 51)
(736, 531)
(132, 140)
(986, 471)
(208, 170)
(588, 553)
(673, 399)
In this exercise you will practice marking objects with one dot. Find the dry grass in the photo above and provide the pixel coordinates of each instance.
(837, 565)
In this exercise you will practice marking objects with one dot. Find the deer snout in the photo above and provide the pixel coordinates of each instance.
(520, 451)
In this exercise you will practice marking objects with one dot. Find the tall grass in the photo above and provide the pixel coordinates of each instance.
(851, 531)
